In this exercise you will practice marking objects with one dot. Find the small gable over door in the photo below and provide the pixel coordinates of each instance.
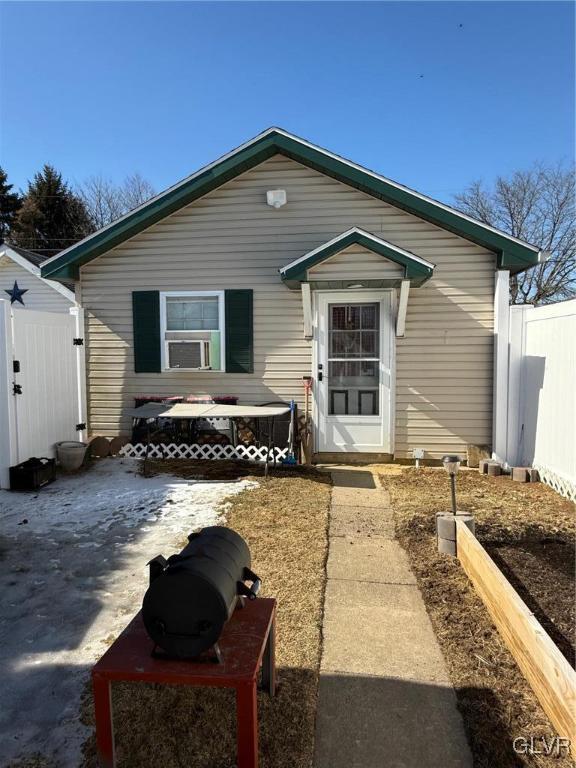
(357, 256)
(356, 263)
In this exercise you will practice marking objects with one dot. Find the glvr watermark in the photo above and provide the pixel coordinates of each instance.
(555, 746)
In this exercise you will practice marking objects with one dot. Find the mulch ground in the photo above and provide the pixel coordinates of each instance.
(529, 530)
(285, 523)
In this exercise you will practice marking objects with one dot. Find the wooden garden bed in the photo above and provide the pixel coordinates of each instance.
(547, 671)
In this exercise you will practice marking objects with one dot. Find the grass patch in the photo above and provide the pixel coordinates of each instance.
(285, 523)
(529, 530)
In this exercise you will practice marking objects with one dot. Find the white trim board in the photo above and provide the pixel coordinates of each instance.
(34, 270)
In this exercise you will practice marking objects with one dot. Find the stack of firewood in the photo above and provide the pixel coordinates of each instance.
(210, 438)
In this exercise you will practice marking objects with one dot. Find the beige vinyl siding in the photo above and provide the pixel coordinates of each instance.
(356, 263)
(232, 239)
(40, 296)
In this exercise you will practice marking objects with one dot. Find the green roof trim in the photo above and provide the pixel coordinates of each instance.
(416, 269)
(512, 253)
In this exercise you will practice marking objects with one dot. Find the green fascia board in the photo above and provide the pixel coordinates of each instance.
(511, 253)
(412, 267)
(67, 266)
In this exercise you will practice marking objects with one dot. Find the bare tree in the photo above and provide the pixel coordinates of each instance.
(537, 206)
(107, 201)
(135, 190)
(102, 199)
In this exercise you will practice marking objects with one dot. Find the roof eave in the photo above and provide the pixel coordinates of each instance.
(513, 253)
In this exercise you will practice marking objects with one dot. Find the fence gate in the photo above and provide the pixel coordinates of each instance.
(42, 386)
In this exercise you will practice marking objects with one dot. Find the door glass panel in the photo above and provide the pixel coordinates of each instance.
(353, 359)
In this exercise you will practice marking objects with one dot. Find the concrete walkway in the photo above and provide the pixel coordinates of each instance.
(385, 699)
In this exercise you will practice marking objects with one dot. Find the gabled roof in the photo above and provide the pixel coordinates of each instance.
(31, 262)
(512, 253)
(33, 258)
(416, 269)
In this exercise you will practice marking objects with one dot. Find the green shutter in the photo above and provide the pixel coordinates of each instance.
(146, 328)
(239, 331)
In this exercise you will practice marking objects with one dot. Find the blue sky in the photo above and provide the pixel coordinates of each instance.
(431, 94)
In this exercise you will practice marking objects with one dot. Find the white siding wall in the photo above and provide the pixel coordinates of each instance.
(356, 263)
(231, 238)
(40, 296)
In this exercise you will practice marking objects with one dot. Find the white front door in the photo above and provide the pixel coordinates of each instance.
(354, 371)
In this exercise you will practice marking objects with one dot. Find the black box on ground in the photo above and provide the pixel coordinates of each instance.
(32, 474)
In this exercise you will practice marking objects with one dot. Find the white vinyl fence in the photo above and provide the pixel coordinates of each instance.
(541, 396)
(42, 384)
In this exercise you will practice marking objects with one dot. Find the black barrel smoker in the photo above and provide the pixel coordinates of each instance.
(192, 595)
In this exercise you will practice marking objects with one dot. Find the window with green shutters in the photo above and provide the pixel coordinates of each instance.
(192, 324)
(193, 331)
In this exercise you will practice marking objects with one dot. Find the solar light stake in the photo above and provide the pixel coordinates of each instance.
(453, 489)
(452, 465)
(446, 528)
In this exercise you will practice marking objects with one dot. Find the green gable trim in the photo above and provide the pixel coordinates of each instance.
(146, 331)
(512, 254)
(239, 330)
(416, 270)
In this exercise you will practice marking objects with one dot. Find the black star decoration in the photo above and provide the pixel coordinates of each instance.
(16, 293)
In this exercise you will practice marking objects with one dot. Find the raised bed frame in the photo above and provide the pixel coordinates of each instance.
(545, 668)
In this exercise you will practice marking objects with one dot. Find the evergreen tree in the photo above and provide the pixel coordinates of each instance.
(52, 217)
(10, 203)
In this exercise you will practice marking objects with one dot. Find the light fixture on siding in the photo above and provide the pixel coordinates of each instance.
(417, 455)
(276, 197)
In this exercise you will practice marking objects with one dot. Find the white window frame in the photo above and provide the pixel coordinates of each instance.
(163, 329)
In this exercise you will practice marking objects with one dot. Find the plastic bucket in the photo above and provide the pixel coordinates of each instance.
(71, 454)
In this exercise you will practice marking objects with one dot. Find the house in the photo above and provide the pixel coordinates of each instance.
(22, 284)
(282, 260)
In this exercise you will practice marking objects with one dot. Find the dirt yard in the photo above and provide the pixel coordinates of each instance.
(285, 522)
(529, 531)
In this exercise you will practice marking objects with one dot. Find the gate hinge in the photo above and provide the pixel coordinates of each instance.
(78, 342)
(16, 366)
(80, 427)
(16, 389)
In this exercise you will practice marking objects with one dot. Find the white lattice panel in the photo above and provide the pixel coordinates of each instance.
(560, 484)
(173, 451)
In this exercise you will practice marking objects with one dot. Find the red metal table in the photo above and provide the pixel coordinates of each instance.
(246, 644)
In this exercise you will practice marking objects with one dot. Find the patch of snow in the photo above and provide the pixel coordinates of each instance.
(75, 574)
